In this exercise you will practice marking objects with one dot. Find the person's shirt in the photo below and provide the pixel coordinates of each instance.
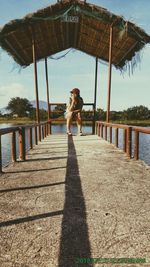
(77, 105)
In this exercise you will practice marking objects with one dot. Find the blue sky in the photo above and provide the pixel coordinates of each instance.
(77, 69)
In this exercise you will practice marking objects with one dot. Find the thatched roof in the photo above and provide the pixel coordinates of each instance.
(72, 24)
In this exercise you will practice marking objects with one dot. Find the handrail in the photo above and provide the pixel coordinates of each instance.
(127, 135)
(41, 130)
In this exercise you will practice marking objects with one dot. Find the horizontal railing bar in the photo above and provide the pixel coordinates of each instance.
(17, 128)
(8, 130)
(55, 104)
(141, 129)
(121, 126)
(84, 104)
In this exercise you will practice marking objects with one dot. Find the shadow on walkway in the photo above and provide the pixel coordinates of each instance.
(31, 218)
(74, 237)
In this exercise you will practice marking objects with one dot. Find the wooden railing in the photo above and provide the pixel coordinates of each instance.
(31, 133)
(102, 129)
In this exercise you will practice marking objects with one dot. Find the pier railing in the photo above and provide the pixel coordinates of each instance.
(104, 130)
(28, 136)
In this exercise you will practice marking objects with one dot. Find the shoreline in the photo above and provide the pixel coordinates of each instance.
(144, 123)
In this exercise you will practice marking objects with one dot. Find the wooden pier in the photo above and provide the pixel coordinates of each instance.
(74, 197)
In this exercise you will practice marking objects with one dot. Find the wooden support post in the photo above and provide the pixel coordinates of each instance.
(129, 141)
(102, 126)
(116, 137)
(22, 144)
(125, 140)
(47, 89)
(42, 132)
(35, 135)
(99, 128)
(95, 96)
(136, 145)
(30, 138)
(110, 134)
(110, 74)
(0, 154)
(14, 155)
(35, 78)
(106, 132)
(39, 133)
(50, 127)
(45, 130)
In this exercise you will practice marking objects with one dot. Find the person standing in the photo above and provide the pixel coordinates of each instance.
(74, 109)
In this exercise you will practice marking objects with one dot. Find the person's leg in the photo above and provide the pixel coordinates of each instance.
(69, 120)
(79, 123)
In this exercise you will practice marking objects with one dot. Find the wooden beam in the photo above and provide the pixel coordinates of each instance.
(47, 89)
(21, 47)
(35, 76)
(109, 74)
(22, 61)
(95, 95)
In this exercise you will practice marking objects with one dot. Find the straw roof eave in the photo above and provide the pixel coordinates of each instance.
(52, 34)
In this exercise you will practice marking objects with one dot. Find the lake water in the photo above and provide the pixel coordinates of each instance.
(144, 149)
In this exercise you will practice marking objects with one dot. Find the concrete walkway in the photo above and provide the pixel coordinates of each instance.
(76, 197)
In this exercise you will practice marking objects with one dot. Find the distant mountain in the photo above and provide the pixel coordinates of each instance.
(42, 104)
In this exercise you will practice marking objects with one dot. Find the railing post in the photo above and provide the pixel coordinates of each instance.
(35, 135)
(39, 136)
(50, 127)
(136, 145)
(42, 132)
(96, 127)
(106, 132)
(22, 144)
(116, 137)
(99, 127)
(110, 134)
(45, 130)
(125, 140)
(101, 130)
(14, 155)
(30, 138)
(129, 141)
(0, 155)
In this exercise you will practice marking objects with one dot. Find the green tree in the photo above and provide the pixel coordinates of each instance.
(138, 113)
(43, 114)
(58, 111)
(20, 106)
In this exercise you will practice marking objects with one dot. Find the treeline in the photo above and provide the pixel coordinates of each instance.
(133, 113)
(21, 107)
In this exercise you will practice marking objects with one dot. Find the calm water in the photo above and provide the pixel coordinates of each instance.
(144, 149)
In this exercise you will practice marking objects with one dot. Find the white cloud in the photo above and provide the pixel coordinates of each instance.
(12, 90)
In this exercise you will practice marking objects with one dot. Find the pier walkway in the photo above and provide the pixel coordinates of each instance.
(74, 197)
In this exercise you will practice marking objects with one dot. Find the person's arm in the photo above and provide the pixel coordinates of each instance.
(70, 106)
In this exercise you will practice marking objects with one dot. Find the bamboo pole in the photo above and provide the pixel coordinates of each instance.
(35, 77)
(109, 74)
(47, 88)
(95, 95)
